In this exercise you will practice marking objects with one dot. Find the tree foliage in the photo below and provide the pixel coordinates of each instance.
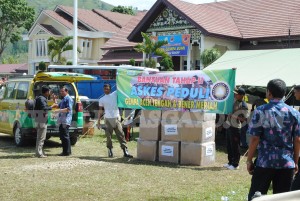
(150, 48)
(9, 60)
(42, 66)
(209, 56)
(56, 46)
(15, 16)
(123, 9)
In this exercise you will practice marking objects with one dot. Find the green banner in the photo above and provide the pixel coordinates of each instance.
(206, 90)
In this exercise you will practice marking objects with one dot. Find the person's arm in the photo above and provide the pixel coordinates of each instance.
(254, 140)
(255, 130)
(296, 152)
(68, 107)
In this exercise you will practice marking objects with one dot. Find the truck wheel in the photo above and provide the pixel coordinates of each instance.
(73, 140)
(18, 135)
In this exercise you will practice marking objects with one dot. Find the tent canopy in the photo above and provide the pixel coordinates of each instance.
(257, 67)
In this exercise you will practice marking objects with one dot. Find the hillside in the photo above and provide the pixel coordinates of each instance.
(40, 5)
(18, 51)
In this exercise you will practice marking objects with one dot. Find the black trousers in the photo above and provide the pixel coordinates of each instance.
(65, 138)
(233, 137)
(296, 181)
(262, 177)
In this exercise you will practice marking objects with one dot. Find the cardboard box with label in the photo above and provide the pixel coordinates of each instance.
(169, 152)
(151, 114)
(150, 129)
(202, 154)
(147, 150)
(169, 131)
(169, 115)
(198, 116)
(195, 131)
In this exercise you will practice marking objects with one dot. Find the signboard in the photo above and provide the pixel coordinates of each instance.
(206, 91)
(178, 45)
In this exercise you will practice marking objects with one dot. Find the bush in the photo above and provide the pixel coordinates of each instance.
(42, 66)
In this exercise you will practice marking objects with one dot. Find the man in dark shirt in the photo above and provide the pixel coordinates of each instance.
(41, 109)
(235, 120)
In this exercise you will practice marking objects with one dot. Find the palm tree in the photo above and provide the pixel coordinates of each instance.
(150, 48)
(56, 46)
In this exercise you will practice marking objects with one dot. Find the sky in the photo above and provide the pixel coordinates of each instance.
(145, 4)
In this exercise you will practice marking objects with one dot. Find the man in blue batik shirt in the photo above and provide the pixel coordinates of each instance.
(274, 131)
(64, 121)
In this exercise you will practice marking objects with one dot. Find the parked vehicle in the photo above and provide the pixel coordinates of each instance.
(14, 118)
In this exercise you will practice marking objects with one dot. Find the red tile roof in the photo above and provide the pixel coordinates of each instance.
(11, 68)
(115, 57)
(211, 19)
(120, 38)
(91, 19)
(117, 18)
(59, 18)
(240, 19)
(260, 18)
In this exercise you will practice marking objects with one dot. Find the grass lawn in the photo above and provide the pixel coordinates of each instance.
(89, 175)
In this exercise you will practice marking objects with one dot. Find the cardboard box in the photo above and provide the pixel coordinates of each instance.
(151, 114)
(169, 115)
(202, 154)
(195, 131)
(198, 116)
(147, 150)
(150, 129)
(170, 131)
(169, 152)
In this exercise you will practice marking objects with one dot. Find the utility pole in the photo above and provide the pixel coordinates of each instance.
(289, 42)
(75, 33)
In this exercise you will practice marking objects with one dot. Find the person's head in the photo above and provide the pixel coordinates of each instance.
(63, 91)
(45, 90)
(276, 89)
(239, 94)
(106, 88)
(297, 92)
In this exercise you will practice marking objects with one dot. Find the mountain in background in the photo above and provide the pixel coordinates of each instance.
(18, 52)
(40, 5)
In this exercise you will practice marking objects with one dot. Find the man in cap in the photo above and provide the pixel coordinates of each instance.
(233, 134)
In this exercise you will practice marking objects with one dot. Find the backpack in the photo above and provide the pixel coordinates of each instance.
(30, 107)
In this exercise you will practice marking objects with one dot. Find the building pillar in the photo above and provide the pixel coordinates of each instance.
(201, 47)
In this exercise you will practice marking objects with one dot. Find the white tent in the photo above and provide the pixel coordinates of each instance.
(258, 67)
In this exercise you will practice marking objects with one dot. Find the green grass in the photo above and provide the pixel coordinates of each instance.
(89, 175)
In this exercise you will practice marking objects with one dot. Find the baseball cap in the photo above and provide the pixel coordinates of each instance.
(239, 91)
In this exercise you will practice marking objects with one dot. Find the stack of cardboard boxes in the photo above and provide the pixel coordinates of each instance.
(182, 137)
(197, 132)
(150, 128)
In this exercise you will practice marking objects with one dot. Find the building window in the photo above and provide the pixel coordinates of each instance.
(86, 48)
(41, 47)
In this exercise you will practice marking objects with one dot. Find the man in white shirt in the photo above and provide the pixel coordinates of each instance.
(108, 105)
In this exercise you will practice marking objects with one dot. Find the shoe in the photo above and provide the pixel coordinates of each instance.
(64, 154)
(110, 153)
(41, 156)
(231, 167)
(226, 165)
(126, 154)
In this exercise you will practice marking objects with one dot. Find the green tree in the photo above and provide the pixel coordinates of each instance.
(10, 60)
(56, 46)
(42, 66)
(123, 9)
(132, 61)
(209, 56)
(150, 48)
(167, 63)
(15, 16)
